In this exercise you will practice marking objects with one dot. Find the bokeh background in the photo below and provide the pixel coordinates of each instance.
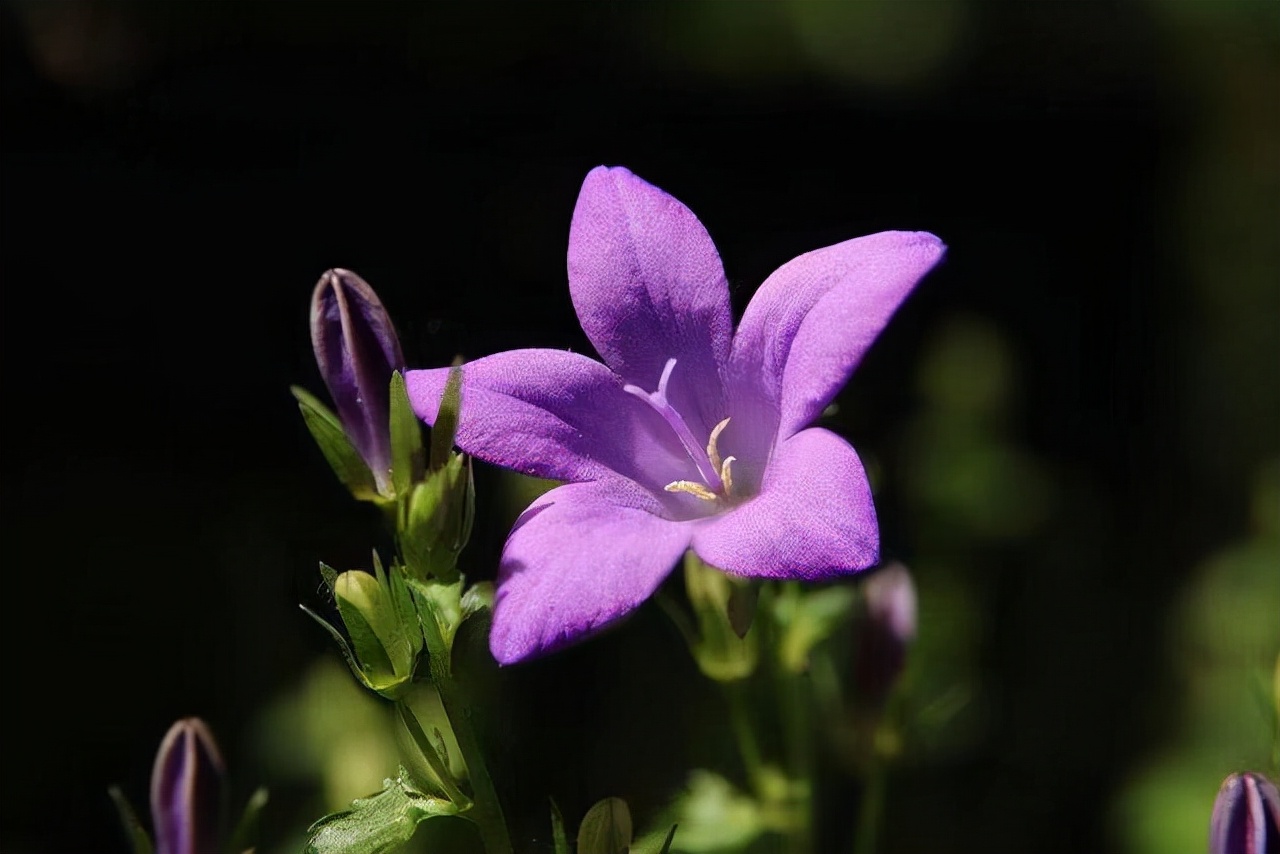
(1073, 425)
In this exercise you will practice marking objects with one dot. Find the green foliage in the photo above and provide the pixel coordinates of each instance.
(606, 828)
(378, 824)
(139, 841)
(446, 426)
(722, 645)
(337, 449)
(246, 830)
(408, 456)
(808, 616)
(559, 839)
(437, 520)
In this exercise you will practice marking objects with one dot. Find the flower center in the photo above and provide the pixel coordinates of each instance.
(716, 474)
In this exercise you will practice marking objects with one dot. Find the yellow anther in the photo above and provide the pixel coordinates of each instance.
(726, 475)
(712, 452)
(697, 490)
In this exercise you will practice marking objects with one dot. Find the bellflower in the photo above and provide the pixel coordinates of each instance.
(357, 351)
(689, 435)
(1246, 816)
(186, 790)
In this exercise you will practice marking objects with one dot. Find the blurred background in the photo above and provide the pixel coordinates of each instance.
(1073, 425)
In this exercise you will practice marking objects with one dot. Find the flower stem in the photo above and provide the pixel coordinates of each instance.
(869, 812)
(486, 810)
(793, 691)
(748, 745)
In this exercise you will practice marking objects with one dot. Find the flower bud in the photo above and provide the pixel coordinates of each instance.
(187, 791)
(885, 628)
(724, 647)
(440, 515)
(385, 637)
(357, 351)
(1246, 816)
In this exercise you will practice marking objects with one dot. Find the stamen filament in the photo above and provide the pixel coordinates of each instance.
(658, 400)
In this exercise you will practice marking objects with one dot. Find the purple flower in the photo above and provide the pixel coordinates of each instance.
(689, 435)
(1246, 816)
(357, 351)
(886, 628)
(186, 790)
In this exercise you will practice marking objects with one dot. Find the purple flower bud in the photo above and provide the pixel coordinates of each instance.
(357, 351)
(186, 790)
(886, 628)
(1246, 816)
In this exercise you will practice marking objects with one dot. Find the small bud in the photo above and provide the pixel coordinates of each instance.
(187, 791)
(1246, 816)
(724, 647)
(885, 628)
(440, 514)
(357, 351)
(385, 638)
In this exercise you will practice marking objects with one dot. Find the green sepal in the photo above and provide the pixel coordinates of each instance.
(342, 456)
(606, 828)
(808, 617)
(139, 841)
(364, 629)
(724, 646)
(245, 835)
(378, 824)
(666, 843)
(445, 430)
(436, 755)
(559, 839)
(437, 521)
(408, 455)
(342, 645)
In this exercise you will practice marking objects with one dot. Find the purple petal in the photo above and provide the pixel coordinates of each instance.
(186, 790)
(357, 350)
(1246, 816)
(648, 286)
(581, 557)
(810, 323)
(554, 414)
(812, 519)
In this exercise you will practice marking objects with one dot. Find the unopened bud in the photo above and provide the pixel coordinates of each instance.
(1246, 816)
(885, 629)
(187, 791)
(385, 638)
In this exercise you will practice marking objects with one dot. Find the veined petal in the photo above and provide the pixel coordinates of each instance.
(813, 517)
(554, 414)
(648, 286)
(812, 320)
(580, 557)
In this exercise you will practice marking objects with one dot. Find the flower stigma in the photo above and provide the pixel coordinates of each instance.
(716, 474)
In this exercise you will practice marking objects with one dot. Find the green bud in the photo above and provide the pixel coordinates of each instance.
(724, 648)
(385, 636)
(436, 521)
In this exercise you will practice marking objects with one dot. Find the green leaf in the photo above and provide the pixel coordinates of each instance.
(246, 832)
(139, 841)
(341, 455)
(330, 576)
(606, 828)
(666, 843)
(559, 839)
(378, 824)
(809, 617)
(437, 759)
(342, 645)
(408, 456)
(446, 426)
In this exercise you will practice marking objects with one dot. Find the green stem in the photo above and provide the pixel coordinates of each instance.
(486, 810)
(797, 722)
(864, 840)
(748, 745)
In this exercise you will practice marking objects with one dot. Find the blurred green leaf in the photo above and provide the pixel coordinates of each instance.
(139, 841)
(337, 449)
(558, 837)
(606, 828)
(378, 824)
(245, 835)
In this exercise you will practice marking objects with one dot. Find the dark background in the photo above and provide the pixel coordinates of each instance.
(1103, 332)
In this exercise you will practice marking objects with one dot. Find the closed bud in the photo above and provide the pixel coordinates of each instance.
(1246, 816)
(382, 625)
(724, 648)
(187, 791)
(438, 523)
(885, 629)
(357, 351)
